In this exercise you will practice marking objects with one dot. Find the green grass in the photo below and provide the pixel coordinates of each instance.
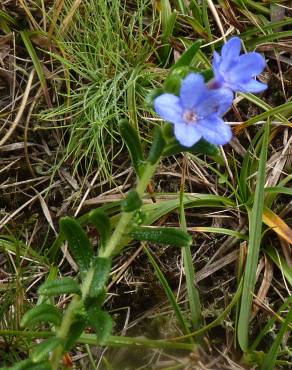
(255, 237)
(110, 73)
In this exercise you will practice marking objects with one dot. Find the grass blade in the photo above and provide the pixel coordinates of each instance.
(218, 230)
(271, 357)
(37, 65)
(193, 294)
(270, 323)
(280, 262)
(168, 19)
(255, 222)
(171, 297)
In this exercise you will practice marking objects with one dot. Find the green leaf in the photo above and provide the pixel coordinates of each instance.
(157, 146)
(169, 293)
(173, 82)
(76, 329)
(162, 235)
(280, 262)
(202, 146)
(102, 223)
(271, 357)
(96, 301)
(42, 313)
(102, 322)
(132, 141)
(101, 270)
(42, 350)
(195, 24)
(267, 328)
(188, 56)
(208, 74)
(154, 93)
(218, 230)
(79, 243)
(205, 147)
(253, 359)
(57, 287)
(249, 167)
(7, 17)
(29, 365)
(36, 62)
(168, 19)
(132, 202)
(255, 224)
(193, 293)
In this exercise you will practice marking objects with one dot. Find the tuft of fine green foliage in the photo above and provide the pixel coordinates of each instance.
(107, 57)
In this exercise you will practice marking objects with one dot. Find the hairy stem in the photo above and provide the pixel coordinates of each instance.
(122, 226)
(63, 331)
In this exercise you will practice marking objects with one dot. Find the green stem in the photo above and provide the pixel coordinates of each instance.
(122, 225)
(126, 217)
(109, 251)
(63, 331)
(113, 340)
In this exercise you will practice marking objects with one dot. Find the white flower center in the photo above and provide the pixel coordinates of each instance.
(190, 117)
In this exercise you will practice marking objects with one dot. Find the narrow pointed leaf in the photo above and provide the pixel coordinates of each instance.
(132, 202)
(162, 235)
(271, 357)
(29, 365)
(102, 323)
(173, 81)
(201, 146)
(193, 293)
(36, 62)
(281, 263)
(42, 313)
(57, 287)
(168, 19)
(76, 329)
(169, 293)
(157, 146)
(188, 56)
(219, 230)
(101, 221)
(101, 270)
(42, 350)
(79, 243)
(255, 223)
(132, 141)
(267, 328)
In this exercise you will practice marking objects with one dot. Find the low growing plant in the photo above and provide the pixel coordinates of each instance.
(193, 105)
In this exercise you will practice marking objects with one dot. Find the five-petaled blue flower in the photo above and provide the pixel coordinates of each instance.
(196, 112)
(237, 72)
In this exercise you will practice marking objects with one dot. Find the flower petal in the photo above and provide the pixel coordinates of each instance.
(253, 86)
(168, 107)
(192, 90)
(215, 130)
(230, 53)
(187, 134)
(231, 48)
(217, 101)
(216, 66)
(216, 60)
(248, 65)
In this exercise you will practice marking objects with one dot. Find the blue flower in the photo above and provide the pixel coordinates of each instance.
(196, 112)
(237, 72)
